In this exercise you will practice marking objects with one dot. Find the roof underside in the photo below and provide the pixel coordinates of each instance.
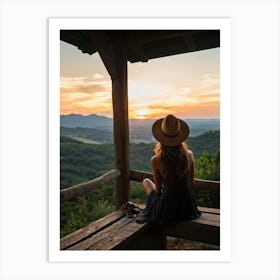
(142, 45)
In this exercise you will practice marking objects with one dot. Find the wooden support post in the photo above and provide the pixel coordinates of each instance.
(121, 128)
(114, 58)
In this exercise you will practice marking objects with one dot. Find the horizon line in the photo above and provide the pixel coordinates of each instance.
(84, 115)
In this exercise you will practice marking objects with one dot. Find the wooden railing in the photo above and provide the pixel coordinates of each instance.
(199, 184)
(138, 176)
(80, 189)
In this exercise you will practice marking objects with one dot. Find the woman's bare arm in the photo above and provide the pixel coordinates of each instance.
(156, 173)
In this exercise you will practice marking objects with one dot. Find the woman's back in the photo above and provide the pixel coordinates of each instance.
(169, 196)
(174, 202)
(174, 167)
(174, 185)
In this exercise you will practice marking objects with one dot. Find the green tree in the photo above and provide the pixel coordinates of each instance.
(208, 166)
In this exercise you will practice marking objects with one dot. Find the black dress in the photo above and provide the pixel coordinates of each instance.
(175, 204)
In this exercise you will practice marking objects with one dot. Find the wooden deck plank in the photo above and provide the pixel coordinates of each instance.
(125, 234)
(202, 209)
(208, 219)
(194, 231)
(88, 230)
(209, 210)
(99, 236)
(205, 229)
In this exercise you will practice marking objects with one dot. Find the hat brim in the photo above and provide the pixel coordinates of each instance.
(170, 140)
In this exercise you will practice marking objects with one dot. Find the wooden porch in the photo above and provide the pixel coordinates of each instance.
(116, 48)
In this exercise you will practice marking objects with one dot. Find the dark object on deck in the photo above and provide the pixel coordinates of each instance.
(130, 210)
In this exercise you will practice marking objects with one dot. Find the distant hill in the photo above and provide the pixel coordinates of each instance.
(97, 121)
(104, 136)
(140, 130)
(90, 121)
(207, 142)
(200, 126)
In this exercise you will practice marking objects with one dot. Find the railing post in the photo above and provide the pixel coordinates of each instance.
(121, 128)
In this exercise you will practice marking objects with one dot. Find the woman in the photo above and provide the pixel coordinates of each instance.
(169, 197)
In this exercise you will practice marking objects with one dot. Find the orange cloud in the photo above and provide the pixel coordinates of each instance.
(146, 100)
(84, 95)
(188, 110)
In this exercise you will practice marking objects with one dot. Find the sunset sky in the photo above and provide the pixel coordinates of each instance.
(186, 85)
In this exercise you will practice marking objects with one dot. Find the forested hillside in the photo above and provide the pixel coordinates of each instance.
(80, 162)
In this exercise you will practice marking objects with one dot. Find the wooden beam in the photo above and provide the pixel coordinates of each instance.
(199, 184)
(80, 189)
(209, 210)
(139, 53)
(202, 230)
(79, 39)
(206, 185)
(121, 128)
(105, 48)
(190, 43)
(139, 176)
(144, 37)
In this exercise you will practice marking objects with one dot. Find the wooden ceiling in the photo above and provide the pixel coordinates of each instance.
(142, 45)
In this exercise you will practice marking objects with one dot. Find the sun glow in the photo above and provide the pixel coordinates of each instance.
(141, 114)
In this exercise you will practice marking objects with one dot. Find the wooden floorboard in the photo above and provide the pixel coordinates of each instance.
(209, 210)
(124, 234)
(90, 229)
(204, 229)
(194, 231)
(202, 209)
(208, 219)
(110, 231)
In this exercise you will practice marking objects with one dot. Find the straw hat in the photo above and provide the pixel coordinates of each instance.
(170, 131)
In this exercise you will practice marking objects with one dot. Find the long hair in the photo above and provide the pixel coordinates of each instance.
(176, 161)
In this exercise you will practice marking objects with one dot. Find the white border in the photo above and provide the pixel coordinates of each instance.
(55, 24)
